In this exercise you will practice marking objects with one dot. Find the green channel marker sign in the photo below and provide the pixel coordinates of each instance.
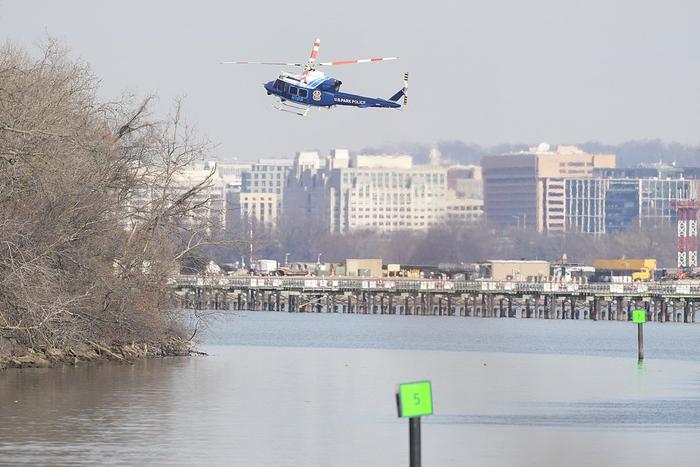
(639, 316)
(415, 399)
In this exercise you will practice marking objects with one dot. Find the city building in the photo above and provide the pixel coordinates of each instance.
(465, 181)
(585, 205)
(207, 206)
(260, 208)
(464, 210)
(615, 199)
(465, 194)
(267, 176)
(221, 207)
(527, 189)
(363, 192)
(231, 173)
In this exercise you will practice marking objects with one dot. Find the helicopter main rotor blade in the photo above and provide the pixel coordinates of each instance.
(264, 63)
(353, 62)
(314, 53)
(312, 59)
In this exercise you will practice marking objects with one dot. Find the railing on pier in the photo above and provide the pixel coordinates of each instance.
(436, 285)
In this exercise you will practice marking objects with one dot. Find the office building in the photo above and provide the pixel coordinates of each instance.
(257, 208)
(363, 192)
(616, 199)
(464, 210)
(527, 189)
(267, 176)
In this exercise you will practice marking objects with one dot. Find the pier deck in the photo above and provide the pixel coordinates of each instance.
(547, 300)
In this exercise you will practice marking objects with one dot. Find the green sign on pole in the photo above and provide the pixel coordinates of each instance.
(639, 316)
(415, 399)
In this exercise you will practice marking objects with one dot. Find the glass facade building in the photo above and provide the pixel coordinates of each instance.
(616, 199)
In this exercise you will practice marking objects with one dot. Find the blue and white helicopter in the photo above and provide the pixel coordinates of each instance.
(297, 93)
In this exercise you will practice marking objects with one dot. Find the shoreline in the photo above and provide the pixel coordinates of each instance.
(95, 351)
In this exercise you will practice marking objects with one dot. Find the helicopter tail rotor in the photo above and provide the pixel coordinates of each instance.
(405, 89)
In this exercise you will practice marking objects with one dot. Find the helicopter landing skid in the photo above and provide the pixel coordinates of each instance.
(292, 107)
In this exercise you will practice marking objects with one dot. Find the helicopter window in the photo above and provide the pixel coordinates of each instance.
(292, 90)
(303, 93)
(278, 85)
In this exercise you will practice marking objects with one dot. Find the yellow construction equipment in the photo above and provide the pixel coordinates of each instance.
(639, 269)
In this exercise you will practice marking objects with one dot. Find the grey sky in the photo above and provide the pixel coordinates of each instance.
(486, 72)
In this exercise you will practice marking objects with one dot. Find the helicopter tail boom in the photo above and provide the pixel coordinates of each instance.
(396, 96)
(403, 92)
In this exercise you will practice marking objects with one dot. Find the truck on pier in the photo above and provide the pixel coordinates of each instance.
(265, 267)
(632, 269)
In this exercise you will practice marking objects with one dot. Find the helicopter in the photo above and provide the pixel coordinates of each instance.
(297, 93)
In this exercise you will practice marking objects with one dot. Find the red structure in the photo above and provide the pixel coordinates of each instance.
(687, 233)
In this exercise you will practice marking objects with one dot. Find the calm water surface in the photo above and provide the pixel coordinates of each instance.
(318, 390)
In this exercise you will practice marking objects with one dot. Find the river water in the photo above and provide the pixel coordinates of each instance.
(318, 390)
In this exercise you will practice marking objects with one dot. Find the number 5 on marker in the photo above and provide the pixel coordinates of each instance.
(415, 399)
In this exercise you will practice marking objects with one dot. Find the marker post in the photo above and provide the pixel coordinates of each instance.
(640, 317)
(413, 401)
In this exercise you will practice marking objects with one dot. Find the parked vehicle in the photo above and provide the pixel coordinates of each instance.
(636, 269)
(571, 272)
(265, 267)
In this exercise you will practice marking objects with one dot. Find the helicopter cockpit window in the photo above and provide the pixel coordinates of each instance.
(278, 85)
(303, 92)
(292, 90)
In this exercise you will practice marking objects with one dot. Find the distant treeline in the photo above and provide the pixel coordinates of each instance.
(456, 244)
(629, 154)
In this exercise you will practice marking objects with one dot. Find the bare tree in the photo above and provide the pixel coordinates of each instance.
(92, 216)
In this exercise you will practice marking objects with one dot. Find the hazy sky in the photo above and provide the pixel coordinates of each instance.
(486, 72)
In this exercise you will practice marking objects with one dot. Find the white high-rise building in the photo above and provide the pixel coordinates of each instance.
(267, 176)
(208, 205)
(382, 193)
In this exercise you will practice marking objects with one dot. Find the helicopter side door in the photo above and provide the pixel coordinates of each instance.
(298, 94)
(303, 95)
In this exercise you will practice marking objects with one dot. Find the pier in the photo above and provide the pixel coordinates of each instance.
(425, 297)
